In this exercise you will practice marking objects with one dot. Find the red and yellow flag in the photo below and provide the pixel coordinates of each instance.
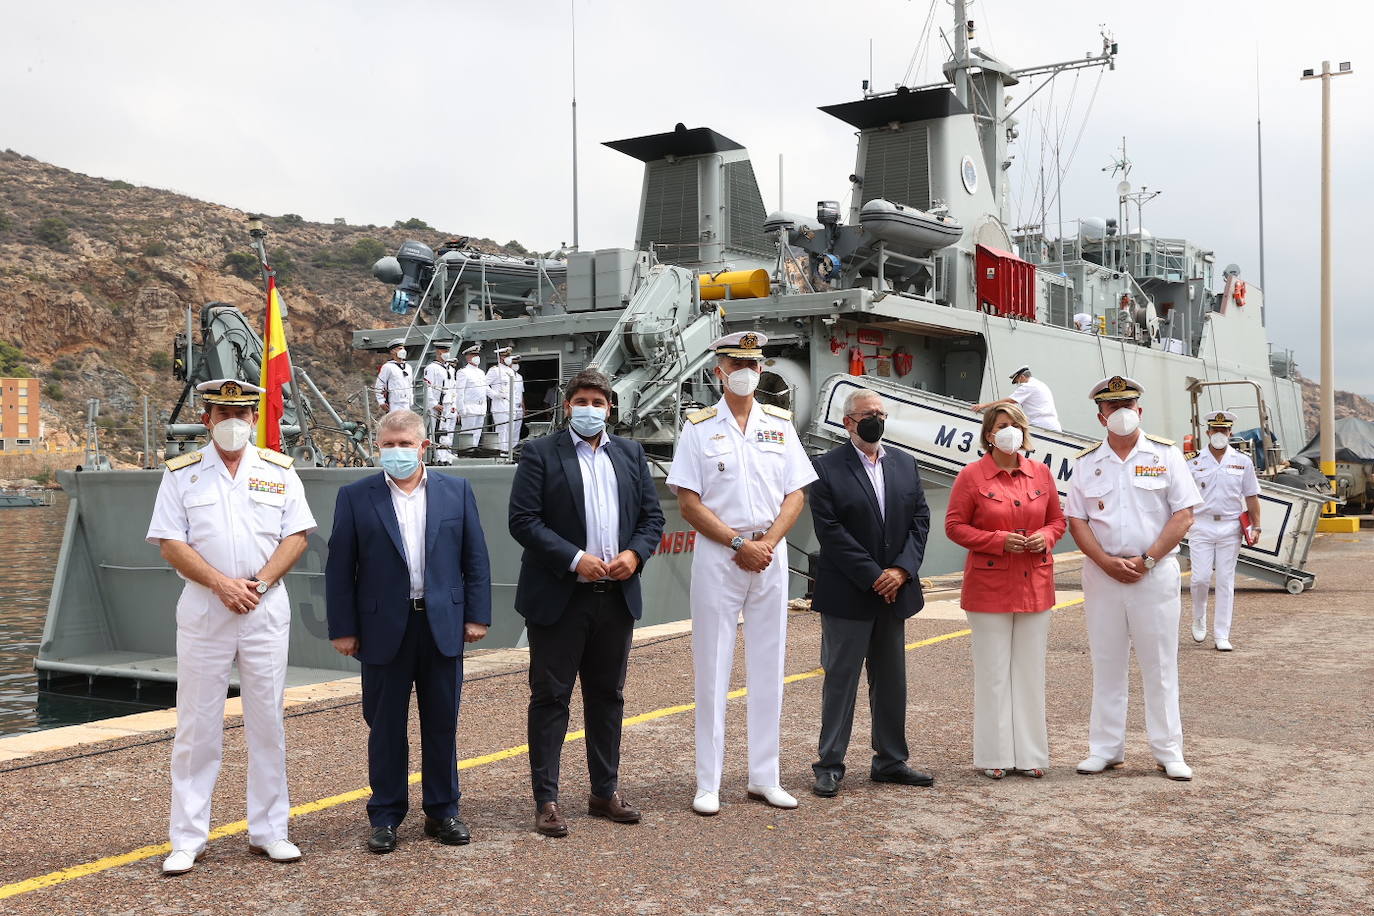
(276, 371)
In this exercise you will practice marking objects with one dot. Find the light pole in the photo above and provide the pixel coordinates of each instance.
(1327, 425)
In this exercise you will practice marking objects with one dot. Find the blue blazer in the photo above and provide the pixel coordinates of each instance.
(367, 582)
(548, 517)
(857, 543)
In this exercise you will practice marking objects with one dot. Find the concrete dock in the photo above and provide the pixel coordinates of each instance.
(1277, 818)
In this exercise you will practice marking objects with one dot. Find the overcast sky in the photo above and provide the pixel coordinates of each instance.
(458, 112)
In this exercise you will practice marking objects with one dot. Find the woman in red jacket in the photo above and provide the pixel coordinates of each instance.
(1005, 509)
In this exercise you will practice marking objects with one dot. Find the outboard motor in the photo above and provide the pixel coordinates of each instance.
(411, 269)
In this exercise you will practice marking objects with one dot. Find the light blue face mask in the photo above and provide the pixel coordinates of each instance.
(588, 421)
(400, 462)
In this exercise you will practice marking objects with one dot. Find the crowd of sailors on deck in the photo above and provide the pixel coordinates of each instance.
(408, 584)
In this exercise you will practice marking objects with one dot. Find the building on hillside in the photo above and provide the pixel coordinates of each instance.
(21, 423)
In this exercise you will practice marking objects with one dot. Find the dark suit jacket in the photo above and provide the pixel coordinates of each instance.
(856, 543)
(549, 519)
(367, 582)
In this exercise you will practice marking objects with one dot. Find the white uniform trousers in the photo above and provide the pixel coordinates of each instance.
(443, 438)
(1009, 690)
(506, 429)
(1143, 614)
(1214, 547)
(720, 591)
(470, 433)
(206, 647)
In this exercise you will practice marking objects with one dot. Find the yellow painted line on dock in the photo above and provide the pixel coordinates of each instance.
(64, 875)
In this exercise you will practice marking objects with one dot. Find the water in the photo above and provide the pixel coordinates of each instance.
(30, 540)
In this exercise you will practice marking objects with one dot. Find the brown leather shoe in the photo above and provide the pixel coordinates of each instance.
(550, 822)
(615, 808)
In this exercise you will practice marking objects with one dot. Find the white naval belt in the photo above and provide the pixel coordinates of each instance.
(1225, 518)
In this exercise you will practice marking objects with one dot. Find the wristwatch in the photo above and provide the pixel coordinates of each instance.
(261, 587)
(1149, 561)
(736, 542)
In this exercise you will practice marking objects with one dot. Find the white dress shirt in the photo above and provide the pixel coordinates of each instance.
(410, 515)
(600, 498)
(1037, 402)
(874, 469)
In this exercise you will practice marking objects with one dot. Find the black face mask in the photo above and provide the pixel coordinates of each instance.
(870, 429)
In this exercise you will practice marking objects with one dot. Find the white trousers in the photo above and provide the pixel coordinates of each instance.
(208, 643)
(470, 432)
(1009, 690)
(443, 439)
(1143, 614)
(720, 591)
(1214, 547)
(505, 428)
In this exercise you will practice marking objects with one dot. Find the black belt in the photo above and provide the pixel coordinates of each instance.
(417, 605)
(601, 585)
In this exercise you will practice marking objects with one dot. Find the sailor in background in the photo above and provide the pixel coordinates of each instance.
(1033, 397)
(517, 396)
(501, 384)
(1229, 487)
(738, 473)
(231, 519)
(438, 381)
(1131, 501)
(395, 386)
(471, 397)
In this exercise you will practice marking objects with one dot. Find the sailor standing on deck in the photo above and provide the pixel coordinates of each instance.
(1229, 487)
(231, 519)
(471, 397)
(438, 380)
(517, 397)
(738, 473)
(395, 387)
(1033, 397)
(1130, 502)
(501, 383)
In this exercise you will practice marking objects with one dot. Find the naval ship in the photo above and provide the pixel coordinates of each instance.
(919, 289)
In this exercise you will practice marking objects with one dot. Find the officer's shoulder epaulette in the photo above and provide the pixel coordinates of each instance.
(276, 458)
(1089, 450)
(1160, 439)
(699, 416)
(779, 412)
(184, 460)
(1189, 456)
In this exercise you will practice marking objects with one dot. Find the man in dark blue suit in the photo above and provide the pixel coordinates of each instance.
(584, 507)
(871, 522)
(407, 583)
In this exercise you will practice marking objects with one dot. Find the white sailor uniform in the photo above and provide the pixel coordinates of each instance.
(517, 398)
(394, 388)
(1037, 402)
(1214, 539)
(441, 417)
(472, 404)
(1126, 503)
(235, 524)
(742, 477)
(501, 382)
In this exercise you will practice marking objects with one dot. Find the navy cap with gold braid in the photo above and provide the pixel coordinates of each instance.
(230, 392)
(741, 345)
(1117, 388)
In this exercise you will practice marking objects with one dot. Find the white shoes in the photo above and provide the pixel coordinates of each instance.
(182, 860)
(773, 795)
(1199, 629)
(278, 851)
(1177, 769)
(1094, 764)
(1223, 645)
(706, 803)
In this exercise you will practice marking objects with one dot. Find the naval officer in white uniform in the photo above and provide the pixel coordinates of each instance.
(1033, 397)
(517, 396)
(231, 519)
(1131, 501)
(738, 473)
(1229, 487)
(438, 384)
(472, 393)
(501, 384)
(395, 386)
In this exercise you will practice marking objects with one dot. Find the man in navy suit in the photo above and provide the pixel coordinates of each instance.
(871, 522)
(584, 507)
(407, 583)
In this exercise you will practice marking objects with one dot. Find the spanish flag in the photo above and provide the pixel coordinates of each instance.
(276, 371)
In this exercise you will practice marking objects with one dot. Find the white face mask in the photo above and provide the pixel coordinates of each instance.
(1008, 439)
(232, 435)
(401, 353)
(474, 360)
(742, 382)
(1124, 421)
(1219, 440)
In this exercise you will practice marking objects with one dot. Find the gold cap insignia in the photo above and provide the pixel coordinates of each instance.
(749, 341)
(1116, 384)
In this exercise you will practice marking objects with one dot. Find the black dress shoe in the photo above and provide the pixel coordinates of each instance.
(450, 831)
(905, 776)
(383, 839)
(827, 784)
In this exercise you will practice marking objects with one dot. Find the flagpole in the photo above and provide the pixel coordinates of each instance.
(258, 233)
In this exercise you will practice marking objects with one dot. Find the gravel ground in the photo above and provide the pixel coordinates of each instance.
(1275, 820)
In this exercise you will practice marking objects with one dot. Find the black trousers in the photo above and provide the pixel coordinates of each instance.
(591, 639)
(438, 681)
(846, 647)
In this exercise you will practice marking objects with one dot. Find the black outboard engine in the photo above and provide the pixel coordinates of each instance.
(410, 270)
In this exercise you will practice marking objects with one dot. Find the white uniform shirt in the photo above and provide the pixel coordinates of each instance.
(874, 470)
(437, 375)
(411, 513)
(499, 380)
(1224, 484)
(742, 477)
(1035, 400)
(1127, 502)
(517, 396)
(472, 391)
(394, 389)
(234, 523)
(601, 500)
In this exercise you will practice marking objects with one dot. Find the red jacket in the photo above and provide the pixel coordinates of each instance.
(985, 504)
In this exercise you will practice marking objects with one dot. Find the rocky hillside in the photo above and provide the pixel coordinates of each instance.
(96, 276)
(1347, 405)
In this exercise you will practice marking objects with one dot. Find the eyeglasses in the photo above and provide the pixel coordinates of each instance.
(864, 416)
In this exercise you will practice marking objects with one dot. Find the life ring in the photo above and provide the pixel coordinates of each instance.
(1238, 293)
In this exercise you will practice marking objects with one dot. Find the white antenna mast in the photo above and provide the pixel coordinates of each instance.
(572, 5)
